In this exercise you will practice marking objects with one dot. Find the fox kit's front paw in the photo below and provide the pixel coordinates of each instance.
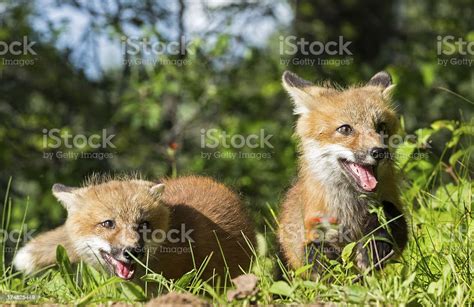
(319, 254)
(380, 251)
(373, 255)
(24, 260)
(362, 259)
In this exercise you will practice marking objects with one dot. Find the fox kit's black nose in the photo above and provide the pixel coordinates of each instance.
(379, 153)
(130, 252)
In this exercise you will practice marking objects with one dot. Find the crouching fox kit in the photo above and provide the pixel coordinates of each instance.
(174, 225)
(346, 176)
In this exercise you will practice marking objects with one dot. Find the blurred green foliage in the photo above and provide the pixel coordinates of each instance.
(229, 83)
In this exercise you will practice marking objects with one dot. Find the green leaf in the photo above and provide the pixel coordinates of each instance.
(186, 279)
(347, 252)
(281, 288)
(311, 284)
(425, 165)
(407, 282)
(133, 291)
(440, 124)
(428, 73)
(65, 268)
(423, 135)
(404, 153)
(458, 155)
(356, 293)
(303, 269)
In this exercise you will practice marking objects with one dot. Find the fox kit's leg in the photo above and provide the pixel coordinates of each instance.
(307, 232)
(41, 251)
(388, 238)
(292, 234)
(322, 236)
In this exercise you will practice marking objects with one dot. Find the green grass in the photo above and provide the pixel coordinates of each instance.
(436, 267)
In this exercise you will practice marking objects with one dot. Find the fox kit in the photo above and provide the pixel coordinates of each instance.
(346, 176)
(178, 223)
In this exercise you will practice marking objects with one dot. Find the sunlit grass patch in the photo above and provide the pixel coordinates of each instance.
(436, 268)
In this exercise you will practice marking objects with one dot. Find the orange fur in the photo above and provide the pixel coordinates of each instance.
(322, 191)
(211, 210)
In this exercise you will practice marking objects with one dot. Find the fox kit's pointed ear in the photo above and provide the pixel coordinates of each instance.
(297, 88)
(157, 190)
(381, 79)
(384, 81)
(65, 195)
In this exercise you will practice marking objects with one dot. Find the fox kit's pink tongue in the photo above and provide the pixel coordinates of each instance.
(124, 270)
(365, 175)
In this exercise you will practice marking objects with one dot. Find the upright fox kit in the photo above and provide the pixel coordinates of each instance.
(178, 222)
(346, 173)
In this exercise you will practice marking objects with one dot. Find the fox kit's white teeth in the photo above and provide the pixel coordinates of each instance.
(124, 270)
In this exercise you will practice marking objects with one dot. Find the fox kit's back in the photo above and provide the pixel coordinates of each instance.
(220, 227)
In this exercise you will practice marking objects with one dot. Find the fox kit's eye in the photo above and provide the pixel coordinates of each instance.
(381, 127)
(345, 130)
(108, 224)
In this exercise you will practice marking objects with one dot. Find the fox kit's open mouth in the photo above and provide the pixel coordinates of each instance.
(363, 174)
(124, 270)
